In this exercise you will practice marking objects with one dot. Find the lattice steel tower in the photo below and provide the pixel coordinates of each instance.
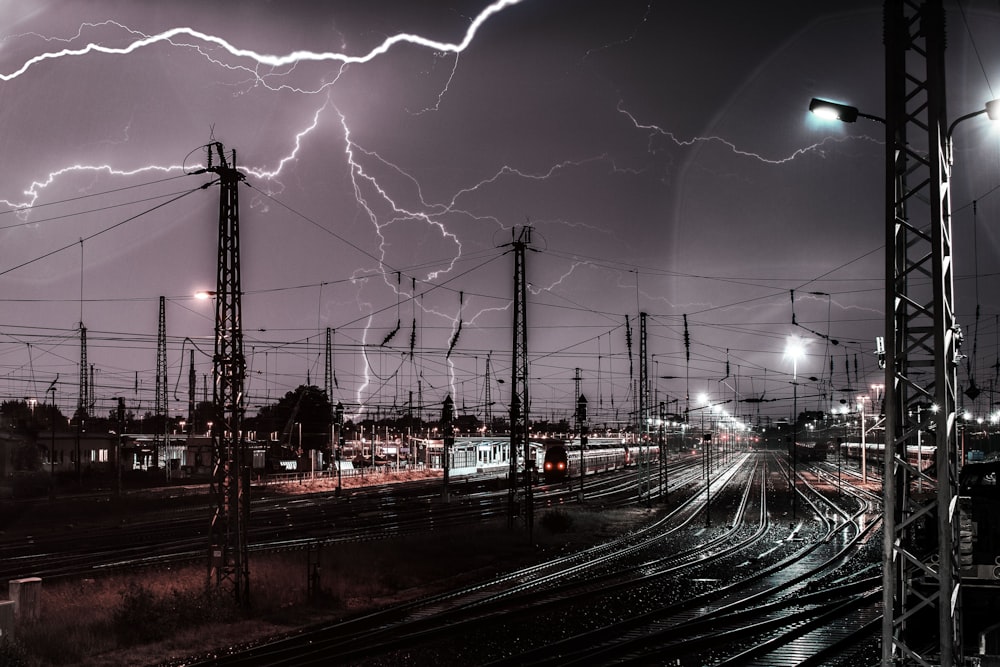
(83, 405)
(328, 367)
(228, 562)
(519, 404)
(642, 417)
(160, 405)
(921, 583)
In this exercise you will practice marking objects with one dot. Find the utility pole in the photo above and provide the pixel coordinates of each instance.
(448, 434)
(161, 410)
(83, 403)
(488, 398)
(328, 375)
(519, 405)
(328, 388)
(664, 480)
(229, 566)
(192, 383)
(919, 594)
(52, 439)
(118, 446)
(338, 443)
(581, 427)
(645, 468)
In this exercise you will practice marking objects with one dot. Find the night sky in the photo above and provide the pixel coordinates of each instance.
(662, 152)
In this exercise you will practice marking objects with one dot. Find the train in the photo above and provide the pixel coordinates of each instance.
(924, 455)
(562, 461)
(811, 451)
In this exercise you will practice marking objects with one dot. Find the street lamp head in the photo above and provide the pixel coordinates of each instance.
(833, 110)
(993, 109)
(203, 295)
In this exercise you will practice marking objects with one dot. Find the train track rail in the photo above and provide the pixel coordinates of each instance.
(807, 592)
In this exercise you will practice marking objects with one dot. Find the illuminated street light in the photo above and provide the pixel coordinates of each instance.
(795, 349)
(837, 111)
(204, 295)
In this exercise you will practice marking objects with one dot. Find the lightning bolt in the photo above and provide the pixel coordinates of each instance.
(274, 61)
(655, 130)
(382, 206)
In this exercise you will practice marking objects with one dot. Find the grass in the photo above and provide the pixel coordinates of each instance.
(149, 617)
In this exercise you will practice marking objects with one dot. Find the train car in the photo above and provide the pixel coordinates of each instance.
(563, 461)
(811, 451)
(555, 466)
(979, 513)
(922, 456)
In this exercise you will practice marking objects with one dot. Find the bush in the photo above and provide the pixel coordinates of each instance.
(13, 654)
(557, 521)
(142, 617)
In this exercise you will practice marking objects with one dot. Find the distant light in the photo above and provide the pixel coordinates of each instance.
(795, 349)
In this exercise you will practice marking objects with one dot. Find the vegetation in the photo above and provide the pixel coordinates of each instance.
(151, 616)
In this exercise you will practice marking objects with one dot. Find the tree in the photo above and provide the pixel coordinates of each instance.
(309, 406)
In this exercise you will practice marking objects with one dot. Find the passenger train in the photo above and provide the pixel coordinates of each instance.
(924, 455)
(563, 460)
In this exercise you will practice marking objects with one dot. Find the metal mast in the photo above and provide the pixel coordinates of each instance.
(488, 398)
(645, 470)
(519, 383)
(83, 406)
(228, 564)
(192, 383)
(160, 407)
(920, 588)
(328, 376)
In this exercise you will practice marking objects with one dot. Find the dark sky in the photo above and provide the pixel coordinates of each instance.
(662, 152)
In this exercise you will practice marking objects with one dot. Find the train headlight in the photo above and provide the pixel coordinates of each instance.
(562, 466)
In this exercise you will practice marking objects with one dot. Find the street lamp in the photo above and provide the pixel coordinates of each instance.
(837, 111)
(864, 447)
(794, 349)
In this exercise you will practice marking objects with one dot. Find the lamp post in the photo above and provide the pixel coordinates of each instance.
(703, 399)
(864, 446)
(794, 349)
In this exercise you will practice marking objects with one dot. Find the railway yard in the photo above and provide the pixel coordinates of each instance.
(693, 578)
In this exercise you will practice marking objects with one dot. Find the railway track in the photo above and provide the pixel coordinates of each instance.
(675, 590)
(283, 524)
(557, 583)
